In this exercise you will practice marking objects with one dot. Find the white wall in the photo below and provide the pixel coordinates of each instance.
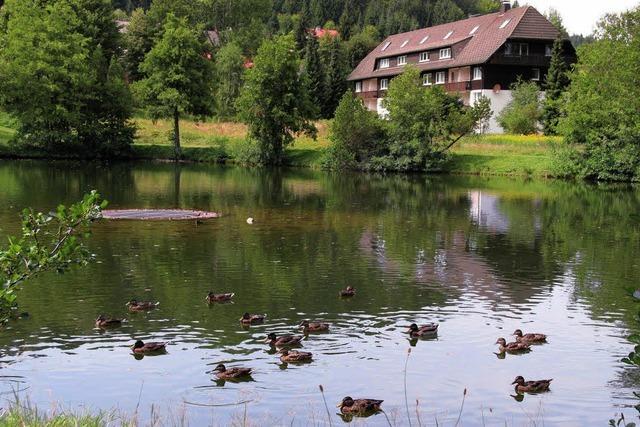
(498, 100)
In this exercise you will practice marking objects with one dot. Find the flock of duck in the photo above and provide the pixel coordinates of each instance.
(285, 345)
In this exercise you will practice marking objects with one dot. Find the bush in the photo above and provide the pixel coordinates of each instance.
(523, 114)
(246, 152)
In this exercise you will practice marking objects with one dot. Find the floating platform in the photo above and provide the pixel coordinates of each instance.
(158, 214)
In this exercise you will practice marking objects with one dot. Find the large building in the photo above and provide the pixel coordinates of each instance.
(482, 55)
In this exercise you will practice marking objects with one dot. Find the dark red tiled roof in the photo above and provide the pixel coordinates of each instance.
(477, 46)
(321, 32)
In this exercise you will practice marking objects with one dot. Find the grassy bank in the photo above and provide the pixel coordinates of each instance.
(509, 155)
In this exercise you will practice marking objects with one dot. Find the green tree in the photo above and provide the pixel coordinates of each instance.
(314, 72)
(137, 41)
(274, 101)
(79, 101)
(424, 123)
(522, 115)
(361, 44)
(229, 72)
(49, 242)
(179, 77)
(602, 125)
(334, 59)
(553, 15)
(556, 84)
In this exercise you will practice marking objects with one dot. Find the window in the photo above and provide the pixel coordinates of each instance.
(384, 63)
(402, 60)
(505, 23)
(475, 97)
(404, 43)
(358, 87)
(449, 34)
(424, 39)
(535, 74)
(424, 56)
(441, 77)
(386, 45)
(427, 79)
(384, 84)
(445, 53)
(477, 73)
(516, 49)
(472, 32)
(548, 50)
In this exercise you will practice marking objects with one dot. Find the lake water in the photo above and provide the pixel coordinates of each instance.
(481, 257)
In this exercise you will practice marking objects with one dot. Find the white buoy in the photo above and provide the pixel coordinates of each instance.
(249, 220)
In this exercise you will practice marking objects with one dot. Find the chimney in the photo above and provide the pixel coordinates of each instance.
(506, 5)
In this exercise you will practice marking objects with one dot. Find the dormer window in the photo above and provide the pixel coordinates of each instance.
(424, 56)
(505, 23)
(445, 53)
(472, 32)
(386, 45)
(424, 39)
(402, 60)
(404, 43)
(449, 34)
(384, 63)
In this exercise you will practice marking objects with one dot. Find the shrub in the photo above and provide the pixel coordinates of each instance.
(522, 115)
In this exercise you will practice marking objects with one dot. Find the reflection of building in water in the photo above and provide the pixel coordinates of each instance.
(485, 212)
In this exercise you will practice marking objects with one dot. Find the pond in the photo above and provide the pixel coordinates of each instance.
(479, 256)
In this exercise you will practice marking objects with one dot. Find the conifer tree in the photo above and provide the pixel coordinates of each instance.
(556, 84)
(315, 73)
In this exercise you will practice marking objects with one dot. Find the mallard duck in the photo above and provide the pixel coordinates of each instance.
(231, 373)
(307, 326)
(512, 347)
(359, 406)
(211, 297)
(107, 322)
(416, 331)
(135, 305)
(295, 356)
(283, 340)
(150, 347)
(348, 292)
(523, 386)
(529, 338)
(252, 319)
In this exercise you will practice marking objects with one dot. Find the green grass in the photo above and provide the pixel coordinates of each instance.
(214, 142)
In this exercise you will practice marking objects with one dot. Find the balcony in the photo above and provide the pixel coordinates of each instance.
(528, 60)
(463, 86)
(371, 94)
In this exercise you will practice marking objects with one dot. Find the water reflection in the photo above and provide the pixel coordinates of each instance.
(481, 257)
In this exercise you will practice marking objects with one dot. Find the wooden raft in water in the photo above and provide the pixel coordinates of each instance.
(158, 214)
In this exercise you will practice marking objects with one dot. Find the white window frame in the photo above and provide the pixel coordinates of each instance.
(477, 73)
(402, 60)
(441, 77)
(424, 56)
(427, 79)
(424, 39)
(548, 50)
(359, 87)
(474, 30)
(384, 63)
(445, 53)
(535, 74)
(505, 23)
(384, 84)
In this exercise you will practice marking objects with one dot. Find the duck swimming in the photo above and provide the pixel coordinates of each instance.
(151, 347)
(512, 347)
(538, 386)
(211, 297)
(135, 305)
(359, 406)
(307, 326)
(283, 340)
(225, 373)
(529, 338)
(427, 330)
(348, 292)
(107, 322)
(293, 356)
(252, 319)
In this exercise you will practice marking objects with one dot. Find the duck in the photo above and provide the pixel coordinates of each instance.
(252, 319)
(512, 347)
(529, 338)
(151, 347)
(105, 322)
(348, 292)
(135, 305)
(307, 326)
(429, 329)
(211, 297)
(359, 406)
(538, 386)
(283, 340)
(225, 373)
(295, 356)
